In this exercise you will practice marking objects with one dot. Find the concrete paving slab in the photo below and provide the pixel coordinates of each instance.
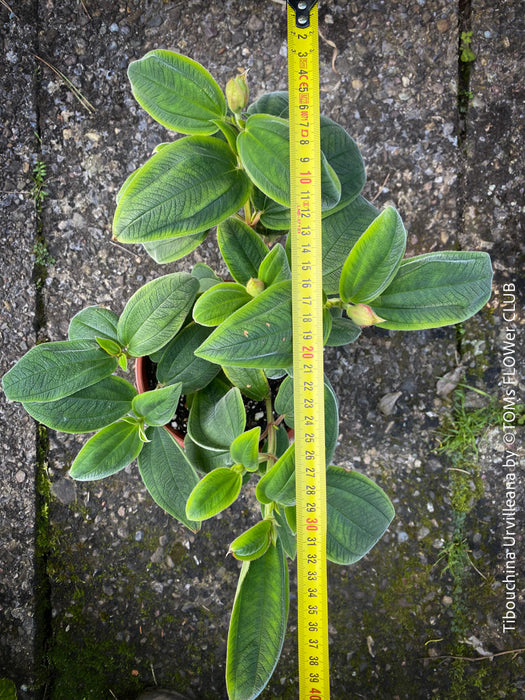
(134, 599)
(19, 148)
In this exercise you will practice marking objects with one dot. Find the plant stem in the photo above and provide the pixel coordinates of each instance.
(334, 302)
(272, 431)
(247, 213)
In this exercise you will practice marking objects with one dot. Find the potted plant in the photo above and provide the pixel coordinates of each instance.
(212, 346)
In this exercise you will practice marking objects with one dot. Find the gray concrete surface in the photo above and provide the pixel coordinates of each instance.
(18, 433)
(120, 597)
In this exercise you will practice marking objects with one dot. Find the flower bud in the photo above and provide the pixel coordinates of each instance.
(254, 286)
(363, 315)
(237, 93)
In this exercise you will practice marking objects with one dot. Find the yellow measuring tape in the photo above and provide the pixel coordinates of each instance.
(307, 318)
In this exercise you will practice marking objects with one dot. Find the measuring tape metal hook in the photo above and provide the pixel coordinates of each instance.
(302, 12)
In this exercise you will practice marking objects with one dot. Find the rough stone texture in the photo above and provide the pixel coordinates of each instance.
(18, 146)
(137, 600)
(494, 146)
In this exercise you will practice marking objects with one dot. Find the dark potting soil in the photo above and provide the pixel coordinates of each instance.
(255, 410)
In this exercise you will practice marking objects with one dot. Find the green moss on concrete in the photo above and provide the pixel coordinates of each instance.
(84, 660)
(88, 664)
(470, 590)
(178, 553)
(44, 543)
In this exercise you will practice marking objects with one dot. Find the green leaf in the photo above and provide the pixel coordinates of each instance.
(285, 533)
(86, 410)
(93, 322)
(190, 185)
(278, 484)
(107, 452)
(52, 371)
(157, 407)
(7, 689)
(358, 513)
(206, 276)
(274, 103)
(341, 231)
(156, 312)
(436, 289)
(251, 382)
(277, 373)
(264, 151)
(168, 474)
(214, 492)
(343, 331)
(219, 303)
(257, 335)
(127, 182)
(291, 518)
(374, 259)
(245, 449)
(343, 155)
(253, 543)
(274, 216)
(179, 363)
(177, 92)
(331, 420)
(110, 346)
(340, 149)
(205, 460)
(258, 624)
(228, 132)
(327, 324)
(284, 405)
(172, 249)
(217, 416)
(330, 186)
(265, 154)
(243, 250)
(275, 267)
(283, 441)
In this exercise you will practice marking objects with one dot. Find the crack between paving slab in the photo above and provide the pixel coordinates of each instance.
(464, 70)
(463, 100)
(43, 616)
(454, 562)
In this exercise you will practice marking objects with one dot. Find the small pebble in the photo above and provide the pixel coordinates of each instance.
(158, 555)
(423, 532)
(387, 404)
(443, 25)
(255, 24)
(157, 587)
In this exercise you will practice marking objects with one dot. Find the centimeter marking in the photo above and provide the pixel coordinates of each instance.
(307, 320)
